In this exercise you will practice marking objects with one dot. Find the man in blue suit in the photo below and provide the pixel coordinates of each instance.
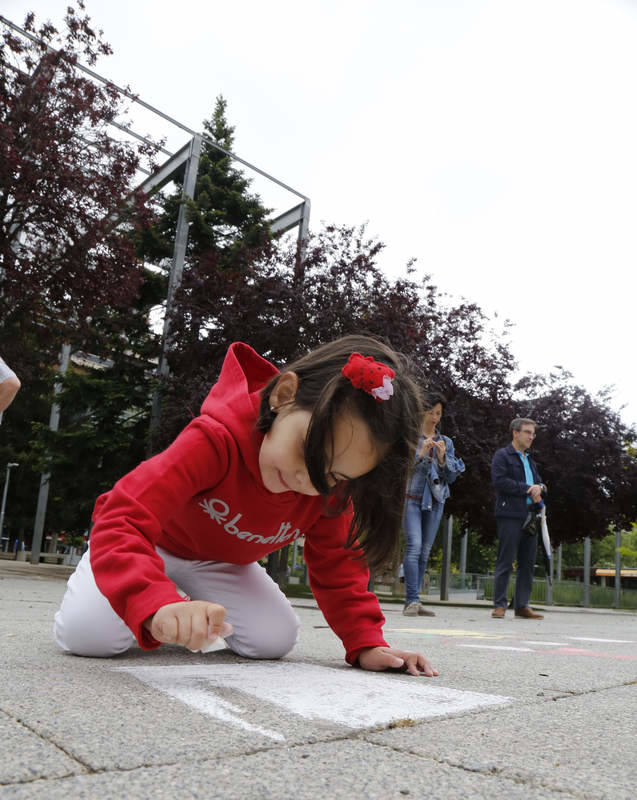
(518, 488)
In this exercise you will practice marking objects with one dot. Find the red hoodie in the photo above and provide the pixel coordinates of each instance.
(203, 499)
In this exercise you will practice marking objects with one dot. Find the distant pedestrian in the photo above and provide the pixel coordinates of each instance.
(436, 466)
(9, 386)
(518, 488)
(322, 449)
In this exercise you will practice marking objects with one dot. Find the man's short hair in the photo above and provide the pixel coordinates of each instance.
(518, 422)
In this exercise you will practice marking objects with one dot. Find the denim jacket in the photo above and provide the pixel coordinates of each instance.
(428, 468)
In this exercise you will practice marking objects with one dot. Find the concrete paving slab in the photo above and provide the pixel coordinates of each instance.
(26, 756)
(108, 720)
(98, 728)
(583, 744)
(562, 653)
(325, 770)
(97, 710)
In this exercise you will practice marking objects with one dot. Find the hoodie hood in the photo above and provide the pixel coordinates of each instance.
(235, 398)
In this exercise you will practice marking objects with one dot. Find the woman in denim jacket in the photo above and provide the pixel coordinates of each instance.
(436, 466)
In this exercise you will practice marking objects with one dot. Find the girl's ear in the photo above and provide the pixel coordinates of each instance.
(284, 391)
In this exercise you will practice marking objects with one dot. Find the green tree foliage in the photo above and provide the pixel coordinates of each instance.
(104, 419)
(481, 555)
(105, 412)
(603, 550)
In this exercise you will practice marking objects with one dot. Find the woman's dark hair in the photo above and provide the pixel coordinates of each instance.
(378, 496)
(433, 398)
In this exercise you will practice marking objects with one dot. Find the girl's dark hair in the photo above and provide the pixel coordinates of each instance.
(378, 496)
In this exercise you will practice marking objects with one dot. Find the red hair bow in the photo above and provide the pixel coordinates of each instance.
(371, 376)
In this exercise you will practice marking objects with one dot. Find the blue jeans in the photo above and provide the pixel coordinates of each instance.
(420, 528)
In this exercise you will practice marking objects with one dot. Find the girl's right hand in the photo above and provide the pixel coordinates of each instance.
(192, 624)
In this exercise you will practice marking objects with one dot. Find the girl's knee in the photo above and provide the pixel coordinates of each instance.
(77, 633)
(267, 641)
(85, 623)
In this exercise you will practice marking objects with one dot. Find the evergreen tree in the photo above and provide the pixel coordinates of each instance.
(226, 221)
(228, 229)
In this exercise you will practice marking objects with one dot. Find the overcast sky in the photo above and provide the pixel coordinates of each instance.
(493, 140)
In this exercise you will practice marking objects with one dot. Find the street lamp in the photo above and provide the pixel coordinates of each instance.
(4, 495)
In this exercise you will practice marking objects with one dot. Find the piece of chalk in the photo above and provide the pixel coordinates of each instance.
(210, 647)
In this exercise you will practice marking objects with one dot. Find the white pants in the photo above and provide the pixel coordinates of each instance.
(265, 625)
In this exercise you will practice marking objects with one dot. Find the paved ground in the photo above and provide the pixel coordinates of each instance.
(522, 709)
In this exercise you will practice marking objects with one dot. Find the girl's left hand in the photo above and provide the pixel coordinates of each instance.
(380, 658)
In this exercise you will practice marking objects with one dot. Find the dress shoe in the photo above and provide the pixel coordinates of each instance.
(498, 613)
(416, 609)
(527, 613)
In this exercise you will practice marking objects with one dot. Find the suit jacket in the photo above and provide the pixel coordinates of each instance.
(509, 480)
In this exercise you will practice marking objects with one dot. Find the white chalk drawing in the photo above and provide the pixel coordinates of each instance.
(591, 639)
(347, 697)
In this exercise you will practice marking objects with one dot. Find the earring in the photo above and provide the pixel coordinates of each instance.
(273, 409)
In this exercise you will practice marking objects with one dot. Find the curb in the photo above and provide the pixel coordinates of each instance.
(28, 570)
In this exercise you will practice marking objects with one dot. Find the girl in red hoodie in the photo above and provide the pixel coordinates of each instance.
(321, 450)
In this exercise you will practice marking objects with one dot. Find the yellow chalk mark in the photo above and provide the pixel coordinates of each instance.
(446, 632)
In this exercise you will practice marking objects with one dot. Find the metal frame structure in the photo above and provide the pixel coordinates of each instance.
(297, 216)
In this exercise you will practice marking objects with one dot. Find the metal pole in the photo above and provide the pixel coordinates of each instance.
(587, 571)
(304, 229)
(463, 557)
(446, 558)
(4, 497)
(396, 589)
(558, 576)
(43, 495)
(618, 567)
(294, 551)
(176, 269)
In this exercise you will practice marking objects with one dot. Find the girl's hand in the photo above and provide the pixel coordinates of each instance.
(380, 658)
(192, 624)
(426, 447)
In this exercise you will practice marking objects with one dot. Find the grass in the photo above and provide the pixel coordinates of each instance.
(571, 593)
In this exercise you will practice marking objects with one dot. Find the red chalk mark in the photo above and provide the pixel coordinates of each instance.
(574, 651)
